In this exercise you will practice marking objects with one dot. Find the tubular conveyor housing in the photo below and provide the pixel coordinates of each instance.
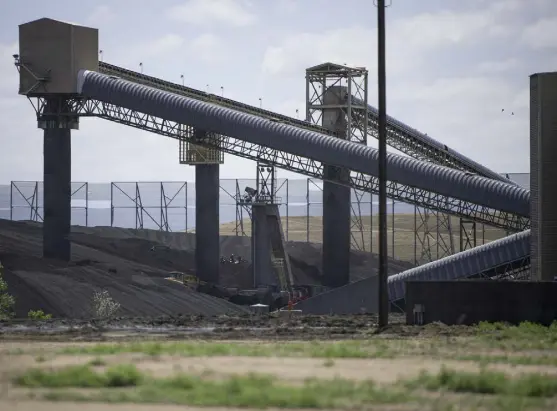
(323, 148)
(466, 264)
(400, 136)
(431, 148)
(305, 143)
(484, 261)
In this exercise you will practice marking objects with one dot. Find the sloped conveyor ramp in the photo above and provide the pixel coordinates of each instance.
(361, 295)
(402, 136)
(305, 143)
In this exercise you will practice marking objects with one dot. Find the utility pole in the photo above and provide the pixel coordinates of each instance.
(383, 290)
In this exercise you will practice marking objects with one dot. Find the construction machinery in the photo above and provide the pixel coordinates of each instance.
(272, 296)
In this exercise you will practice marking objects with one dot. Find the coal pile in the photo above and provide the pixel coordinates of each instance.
(66, 289)
(133, 264)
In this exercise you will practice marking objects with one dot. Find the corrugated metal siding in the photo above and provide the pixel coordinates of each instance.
(309, 144)
(534, 170)
(544, 162)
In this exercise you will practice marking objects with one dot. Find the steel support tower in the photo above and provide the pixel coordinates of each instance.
(270, 263)
(261, 252)
(48, 72)
(543, 176)
(329, 88)
(207, 163)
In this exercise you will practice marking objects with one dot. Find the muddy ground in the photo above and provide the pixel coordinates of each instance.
(225, 328)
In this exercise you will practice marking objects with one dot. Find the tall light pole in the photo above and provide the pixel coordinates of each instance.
(101, 55)
(260, 102)
(221, 91)
(383, 290)
(182, 77)
(141, 67)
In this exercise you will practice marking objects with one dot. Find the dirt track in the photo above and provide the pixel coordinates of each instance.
(121, 261)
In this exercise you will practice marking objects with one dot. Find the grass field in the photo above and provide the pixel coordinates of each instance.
(488, 367)
(406, 246)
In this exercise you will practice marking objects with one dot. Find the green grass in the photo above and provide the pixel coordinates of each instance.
(485, 336)
(526, 336)
(82, 376)
(488, 382)
(313, 349)
(253, 390)
(97, 362)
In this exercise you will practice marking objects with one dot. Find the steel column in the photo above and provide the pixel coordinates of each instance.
(207, 247)
(57, 193)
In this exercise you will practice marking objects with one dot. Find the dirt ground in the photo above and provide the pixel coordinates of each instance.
(18, 353)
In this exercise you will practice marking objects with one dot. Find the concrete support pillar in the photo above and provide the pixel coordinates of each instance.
(336, 229)
(261, 247)
(207, 248)
(57, 193)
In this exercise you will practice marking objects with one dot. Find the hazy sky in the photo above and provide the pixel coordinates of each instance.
(452, 66)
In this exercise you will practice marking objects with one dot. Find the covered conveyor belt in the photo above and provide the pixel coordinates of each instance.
(402, 136)
(452, 184)
(122, 95)
(361, 295)
(399, 136)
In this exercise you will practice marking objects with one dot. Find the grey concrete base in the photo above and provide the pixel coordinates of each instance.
(57, 193)
(207, 248)
(336, 229)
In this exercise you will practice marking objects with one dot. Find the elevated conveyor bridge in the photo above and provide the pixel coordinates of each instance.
(299, 150)
(399, 136)
(429, 175)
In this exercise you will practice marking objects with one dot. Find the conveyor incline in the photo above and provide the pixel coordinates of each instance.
(305, 143)
(399, 135)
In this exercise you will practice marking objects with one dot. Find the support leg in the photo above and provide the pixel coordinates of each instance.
(57, 193)
(336, 229)
(207, 249)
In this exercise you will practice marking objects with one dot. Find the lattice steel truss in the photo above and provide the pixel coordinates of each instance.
(342, 81)
(193, 154)
(287, 161)
(429, 224)
(399, 136)
(328, 86)
(264, 192)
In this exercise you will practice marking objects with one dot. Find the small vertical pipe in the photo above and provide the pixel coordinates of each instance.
(307, 210)
(393, 229)
(287, 207)
(112, 204)
(11, 200)
(382, 99)
(87, 204)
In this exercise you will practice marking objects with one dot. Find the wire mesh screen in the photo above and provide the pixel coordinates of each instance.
(414, 234)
